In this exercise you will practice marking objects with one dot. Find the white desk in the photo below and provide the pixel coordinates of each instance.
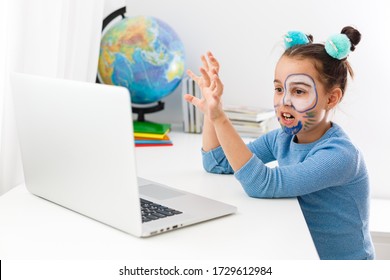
(32, 228)
(380, 227)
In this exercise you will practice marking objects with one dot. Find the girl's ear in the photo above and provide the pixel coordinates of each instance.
(334, 97)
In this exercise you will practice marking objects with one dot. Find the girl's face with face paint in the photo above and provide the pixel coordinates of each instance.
(300, 100)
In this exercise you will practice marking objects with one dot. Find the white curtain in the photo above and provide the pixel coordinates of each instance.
(56, 38)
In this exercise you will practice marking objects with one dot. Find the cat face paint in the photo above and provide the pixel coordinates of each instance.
(294, 102)
(300, 93)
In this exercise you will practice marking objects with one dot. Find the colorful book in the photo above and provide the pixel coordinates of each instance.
(151, 134)
(153, 145)
(151, 128)
(149, 141)
(153, 142)
(166, 137)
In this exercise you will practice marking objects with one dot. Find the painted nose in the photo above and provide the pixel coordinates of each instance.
(287, 99)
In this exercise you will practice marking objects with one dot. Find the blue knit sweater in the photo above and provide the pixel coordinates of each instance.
(329, 178)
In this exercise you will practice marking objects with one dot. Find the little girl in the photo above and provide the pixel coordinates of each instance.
(317, 162)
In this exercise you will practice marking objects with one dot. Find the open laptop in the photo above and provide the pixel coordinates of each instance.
(77, 148)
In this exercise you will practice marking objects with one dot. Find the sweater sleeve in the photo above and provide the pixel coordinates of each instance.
(329, 165)
(215, 161)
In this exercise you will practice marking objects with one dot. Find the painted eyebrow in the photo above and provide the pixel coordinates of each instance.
(300, 83)
(294, 83)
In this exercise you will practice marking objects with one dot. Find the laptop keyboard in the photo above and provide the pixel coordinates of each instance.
(152, 211)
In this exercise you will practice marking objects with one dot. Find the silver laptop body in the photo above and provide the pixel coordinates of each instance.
(77, 147)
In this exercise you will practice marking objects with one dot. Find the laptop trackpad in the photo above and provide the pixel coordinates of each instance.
(159, 192)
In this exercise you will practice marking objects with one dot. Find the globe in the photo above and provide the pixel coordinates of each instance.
(143, 54)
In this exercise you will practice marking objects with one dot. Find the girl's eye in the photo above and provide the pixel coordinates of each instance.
(278, 90)
(299, 92)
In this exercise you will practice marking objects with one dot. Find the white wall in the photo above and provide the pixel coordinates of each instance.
(246, 37)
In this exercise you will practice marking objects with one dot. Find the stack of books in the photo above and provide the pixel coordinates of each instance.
(250, 121)
(148, 134)
(192, 117)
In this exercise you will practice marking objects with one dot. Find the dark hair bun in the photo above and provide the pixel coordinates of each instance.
(353, 35)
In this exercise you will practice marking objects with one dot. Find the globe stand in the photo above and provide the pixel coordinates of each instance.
(120, 12)
(141, 111)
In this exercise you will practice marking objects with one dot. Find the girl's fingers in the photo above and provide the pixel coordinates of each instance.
(192, 75)
(213, 61)
(218, 86)
(204, 62)
(205, 76)
(192, 99)
(213, 85)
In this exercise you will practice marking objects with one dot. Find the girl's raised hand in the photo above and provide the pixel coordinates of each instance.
(210, 66)
(210, 86)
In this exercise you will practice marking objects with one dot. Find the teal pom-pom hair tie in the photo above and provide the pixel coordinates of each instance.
(338, 46)
(293, 38)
